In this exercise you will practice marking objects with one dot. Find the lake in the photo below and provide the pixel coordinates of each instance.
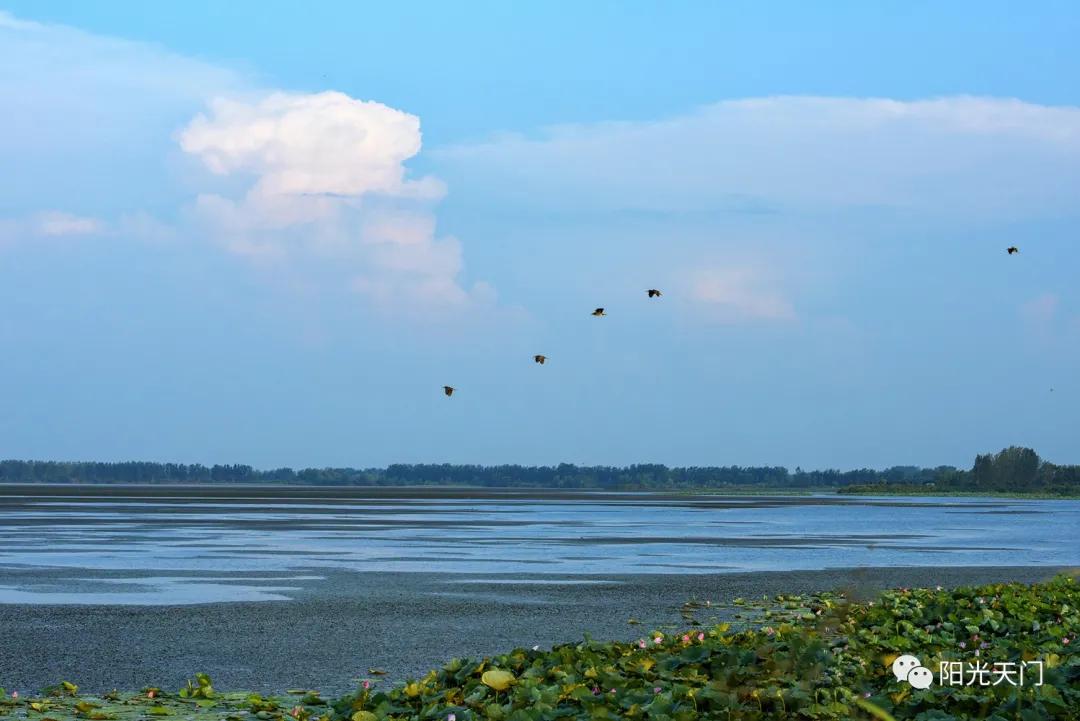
(172, 545)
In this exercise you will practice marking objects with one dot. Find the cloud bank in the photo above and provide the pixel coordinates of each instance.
(746, 182)
(954, 156)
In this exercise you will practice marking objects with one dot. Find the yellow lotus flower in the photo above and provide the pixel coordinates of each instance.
(498, 680)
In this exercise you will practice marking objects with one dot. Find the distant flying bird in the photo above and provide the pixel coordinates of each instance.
(654, 293)
(448, 390)
(540, 359)
(599, 312)
(1013, 249)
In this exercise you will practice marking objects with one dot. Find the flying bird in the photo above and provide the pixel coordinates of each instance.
(540, 359)
(1013, 249)
(654, 293)
(599, 312)
(448, 390)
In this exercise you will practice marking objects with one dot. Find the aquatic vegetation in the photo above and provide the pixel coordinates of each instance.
(819, 657)
(200, 687)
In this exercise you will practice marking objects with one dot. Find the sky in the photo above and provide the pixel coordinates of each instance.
(268, 233)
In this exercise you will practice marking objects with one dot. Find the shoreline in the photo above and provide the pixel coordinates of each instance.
(315, 492)
(406, 623)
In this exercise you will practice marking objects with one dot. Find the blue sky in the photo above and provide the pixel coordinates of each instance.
(251, 232)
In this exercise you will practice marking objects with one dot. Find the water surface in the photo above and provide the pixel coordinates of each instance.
(146, 545)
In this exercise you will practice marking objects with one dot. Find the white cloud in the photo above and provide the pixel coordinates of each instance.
(1041, 309)
(318, 143)
(330, 187)
(742, 293)
(88, 119)
(7, 20)
(59, 223)
(956, 156)
(50, 224)
(314, 186)
(1040, 314)
(68, 88)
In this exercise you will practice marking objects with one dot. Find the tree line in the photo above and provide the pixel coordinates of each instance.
(1011, 470)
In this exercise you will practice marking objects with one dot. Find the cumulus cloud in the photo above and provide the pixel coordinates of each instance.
(958, 156)
(329, 185)
(313, 185)
(319, 143)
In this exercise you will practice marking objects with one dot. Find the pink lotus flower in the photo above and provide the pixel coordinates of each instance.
(612, 690)
(366, 684)
(656, 689)
(641, 643)
(658, 640)
(451, 717)
(295, 713)
(14, 694)
(700, 636)
(595, 690)
(686, 638)
(1065, 640)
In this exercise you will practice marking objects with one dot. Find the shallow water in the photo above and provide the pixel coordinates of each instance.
(150, 545)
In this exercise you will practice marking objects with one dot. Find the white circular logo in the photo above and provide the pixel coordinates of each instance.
(902, 666)
(920, 677)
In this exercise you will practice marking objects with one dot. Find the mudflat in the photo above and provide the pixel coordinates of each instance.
(329, 633)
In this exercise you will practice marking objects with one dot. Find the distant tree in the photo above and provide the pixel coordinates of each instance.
(1012, 469)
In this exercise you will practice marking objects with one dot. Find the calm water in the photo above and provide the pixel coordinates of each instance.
(162, 545)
